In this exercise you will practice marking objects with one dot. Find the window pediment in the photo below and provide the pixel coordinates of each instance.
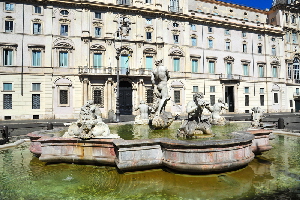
(98, 47)
(149, 51)
(229, 58)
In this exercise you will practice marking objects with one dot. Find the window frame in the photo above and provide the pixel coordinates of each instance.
(5, 60)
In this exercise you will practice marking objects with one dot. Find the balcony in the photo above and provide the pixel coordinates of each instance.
(296, 95)
(230, 77)
(84, 70)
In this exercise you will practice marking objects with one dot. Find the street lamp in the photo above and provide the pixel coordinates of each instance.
(123, 30)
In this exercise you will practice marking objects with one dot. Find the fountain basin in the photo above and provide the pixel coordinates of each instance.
(130, 155)
(261, 140)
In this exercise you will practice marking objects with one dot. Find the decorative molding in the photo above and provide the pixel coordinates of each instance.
(64, 21)
(229, 58)
(149, 51)
(98, 47)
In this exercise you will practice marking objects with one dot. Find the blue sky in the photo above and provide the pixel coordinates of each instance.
(261, 4)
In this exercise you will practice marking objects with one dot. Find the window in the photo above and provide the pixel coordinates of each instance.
(149, 94)
(37, 10)
(64, 12)
(7, 86)
(123, 2)
(275, 97)
(149, 62)
(36, 58)
(36, 87)
(294, 37)
(287, 37)
(262, 100)
(259, 49)
(229, 69)
(7, 101)
(97, 15)
(175, 24)
(293, 19)
(296, 70)
(148, 21)
(244, 34)
(149, 36)
(227, 46)
(97, 94)
(210, 43)
(9, 7)
(211, 67)
(63, 59)
(97, 60)
(246, 90)
(194, 65)
(36, 101)
(246, 100)
(148, 1)
(261, 90)
(290, 70)
(261, 71)
(212, 89)
(176, 64)
(259, 36)
(97, 32)
(195, 88)
(174, 5)
(274, 72)
(193, 27)
(194, 41)
(210, 29)
(63, 97)
(273, 51)
(297, 91)
(227, 32)
(7, 57)
(176, 39)
(64, 29)
(177, 96)
(212, 99)
(246, 69)
(244, 48)
(37, 28)
(9, 26)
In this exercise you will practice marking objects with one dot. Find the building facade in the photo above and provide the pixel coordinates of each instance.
(56, 55)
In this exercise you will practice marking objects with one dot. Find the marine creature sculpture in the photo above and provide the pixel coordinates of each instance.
(143, 117)
(216, 110)
(256, 117)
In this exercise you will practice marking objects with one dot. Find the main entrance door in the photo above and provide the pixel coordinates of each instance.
(297, 105)
(125, 98)
(229, 97)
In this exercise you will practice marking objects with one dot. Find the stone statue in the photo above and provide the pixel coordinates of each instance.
(159, 77)
(143, 117)
(216, 110)
(256, 116)
(90, 124)
(196, 123)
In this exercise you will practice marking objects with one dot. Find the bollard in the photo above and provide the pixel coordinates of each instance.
(280, 123)
(5, 133)
(49, 126)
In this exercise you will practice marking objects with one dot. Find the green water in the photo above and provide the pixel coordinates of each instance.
(273, 175)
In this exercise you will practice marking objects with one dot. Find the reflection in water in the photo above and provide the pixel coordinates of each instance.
(275, 172)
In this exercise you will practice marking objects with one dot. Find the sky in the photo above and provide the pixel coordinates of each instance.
(261, 4)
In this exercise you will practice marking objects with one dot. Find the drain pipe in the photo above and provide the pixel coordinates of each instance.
(22, 70)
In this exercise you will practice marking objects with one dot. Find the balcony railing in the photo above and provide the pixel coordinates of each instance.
(124, 2)
(230, 77)
(112, 71)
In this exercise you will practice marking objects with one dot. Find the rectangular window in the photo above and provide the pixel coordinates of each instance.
(195, 88)
(273, 51)
(246, 69)
(212, 99)
(246, 100)
(97, 15)
(97, 32)
(174, 5)
(9, 26)
(275, 97)
(194, 41)
(97, 94)
(7, 57)
(37, 28)
(246, 90)
(297, 91)
(290, 70)
(97, 60)
(210, 43)
(261, 90)
(149, 94)
(211, 67)
(227, 46)
(274, 72)
(63, 97)
(124, 64)
(36, 87)
(193, 27)
(37, 9)
(229, 69)
(9, 6)
(36, 58)
(291, 103)
(176, 39)
(7, 101)
(176, 63)
(149, 62)
(177, 96)
(124, 2)
(212, 89)
(64, 29)
(259, 49)
(148, 1)
(194, 66)
(36, 101)
(261, 71)
(227, 32)
(262, 100)
(210, 29)
(244, 34)
(63, 59)
(244, 48)
(287, 37)
(149, 36)
(294, 38)
(259, 36)
(7, 86)
(148, 21)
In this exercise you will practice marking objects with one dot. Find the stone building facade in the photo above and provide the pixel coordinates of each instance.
(56, 55)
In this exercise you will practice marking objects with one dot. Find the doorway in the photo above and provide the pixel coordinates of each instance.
(125, 98)
(229, 97)
(297, 105)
